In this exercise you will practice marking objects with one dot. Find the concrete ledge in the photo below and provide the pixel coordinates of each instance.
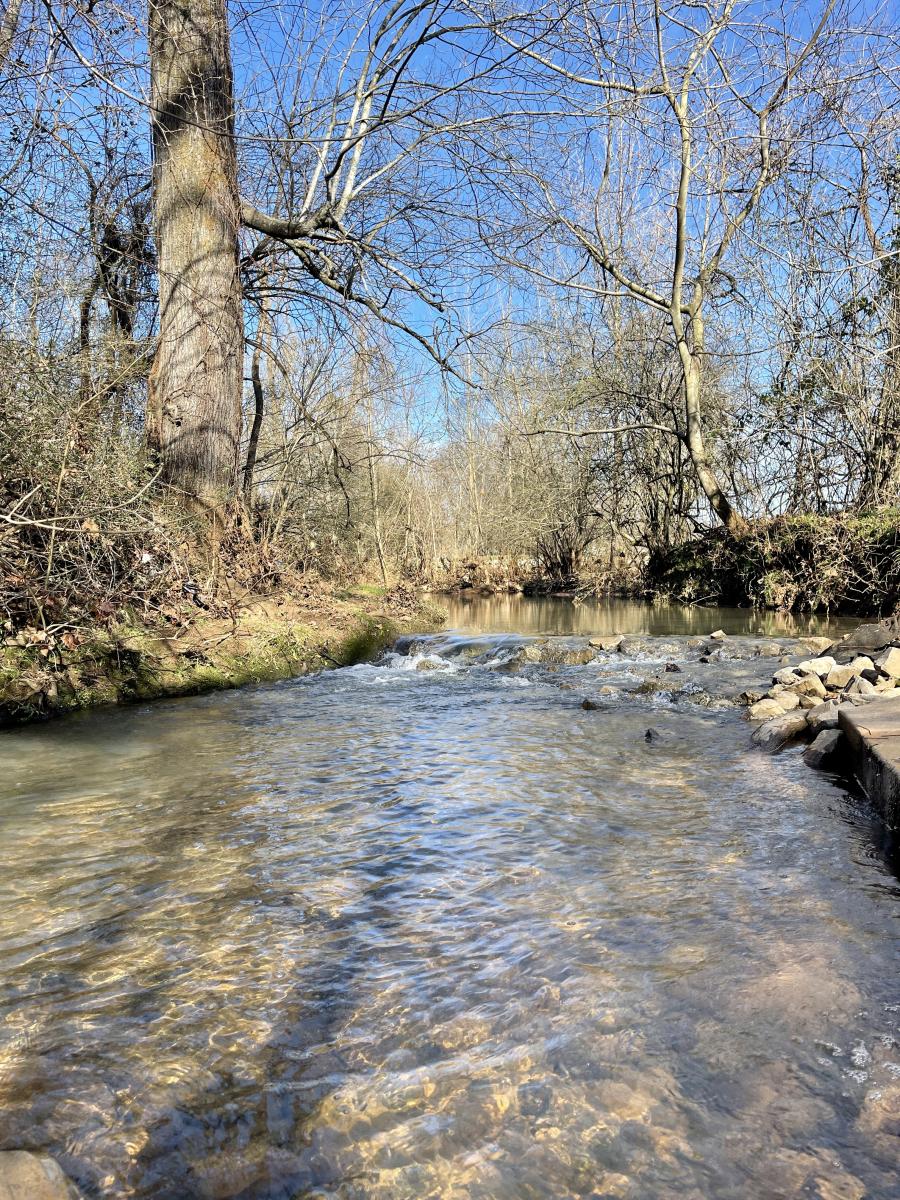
(873, 741)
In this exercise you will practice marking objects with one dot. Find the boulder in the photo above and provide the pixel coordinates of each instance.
(780, 730)
(818, 645)
(875, 694)
(608, 642)
(889, 662)
(630, 646)
(25, 1175)
(823, 716)
(866, 637)
(861, 663)
(770, 650)
(816, 666)
(786, 676)
(840, 677)
(810, 685)
(719, 635)
(765, 710)
(787, 700)
(862, 687)
(825, 749)
(566, 655)
(810, 702)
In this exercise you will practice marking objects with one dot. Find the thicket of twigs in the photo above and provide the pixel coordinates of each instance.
(847, 562)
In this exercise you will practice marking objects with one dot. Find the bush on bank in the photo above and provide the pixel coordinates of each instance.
(802, 564)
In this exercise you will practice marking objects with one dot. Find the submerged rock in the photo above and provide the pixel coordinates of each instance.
(25, 1175)
(648, 686)
(534, 1099)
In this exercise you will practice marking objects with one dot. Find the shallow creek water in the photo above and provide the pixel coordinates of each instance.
(394, 933)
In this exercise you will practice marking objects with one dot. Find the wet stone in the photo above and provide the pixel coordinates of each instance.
(534, 1099)
(28, 1176)
(825, 749)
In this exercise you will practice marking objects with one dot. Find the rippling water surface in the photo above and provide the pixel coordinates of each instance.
(393, 933)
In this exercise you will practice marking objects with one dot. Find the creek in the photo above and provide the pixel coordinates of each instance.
(428, 929)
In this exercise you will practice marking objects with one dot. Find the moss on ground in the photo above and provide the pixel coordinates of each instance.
(131, 661)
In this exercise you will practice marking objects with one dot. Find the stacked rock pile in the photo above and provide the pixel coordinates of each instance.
(805, 699)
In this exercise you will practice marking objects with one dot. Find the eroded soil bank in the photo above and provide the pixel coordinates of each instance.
(202, 646)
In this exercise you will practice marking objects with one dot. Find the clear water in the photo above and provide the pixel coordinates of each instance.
(390, 933)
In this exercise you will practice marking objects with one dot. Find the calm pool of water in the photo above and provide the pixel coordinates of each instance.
(393, 934)
(556, 615)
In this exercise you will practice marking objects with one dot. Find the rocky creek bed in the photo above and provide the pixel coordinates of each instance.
(792, 688)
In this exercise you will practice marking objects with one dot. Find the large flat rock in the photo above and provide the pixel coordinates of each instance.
(873, 734)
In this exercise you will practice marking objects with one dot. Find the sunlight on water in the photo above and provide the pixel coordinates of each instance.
(399, 932)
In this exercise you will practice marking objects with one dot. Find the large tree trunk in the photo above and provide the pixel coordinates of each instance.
(196, 382)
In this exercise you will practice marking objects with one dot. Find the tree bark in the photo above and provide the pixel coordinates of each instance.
(196, 382)
(9, 26)
(696, 446)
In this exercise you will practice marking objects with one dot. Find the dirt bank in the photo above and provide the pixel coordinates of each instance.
(235, 640)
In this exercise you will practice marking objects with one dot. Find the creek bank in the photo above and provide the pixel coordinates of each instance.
(848, 563)
(872, 736)
(846, 698)
(251, 639)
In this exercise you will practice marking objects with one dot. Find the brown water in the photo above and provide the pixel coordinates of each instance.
(555, 615)
(398, 934)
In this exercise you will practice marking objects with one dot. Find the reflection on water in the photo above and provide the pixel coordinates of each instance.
(392, 934)
(556, 615)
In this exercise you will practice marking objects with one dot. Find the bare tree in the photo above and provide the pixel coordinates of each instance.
(678, 121)
(194, 409)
